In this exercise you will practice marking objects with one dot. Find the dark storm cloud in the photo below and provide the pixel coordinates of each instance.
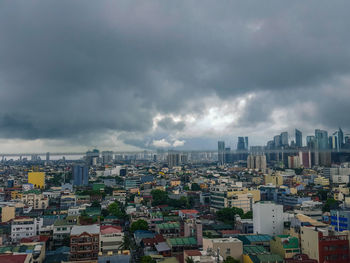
(69, 68)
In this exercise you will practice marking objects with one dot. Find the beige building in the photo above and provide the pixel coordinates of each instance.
(225, 246)
(222, 197)
(274, 179)
(35, 200)
(7, 213)
(320, 180)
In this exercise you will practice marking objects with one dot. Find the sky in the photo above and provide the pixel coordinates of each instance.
(131, 75)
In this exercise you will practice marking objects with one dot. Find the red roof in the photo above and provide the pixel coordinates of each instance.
(35, 239)
(156, 240)
(110, 229)
(192, 253)
(12, 258)
(189, 211)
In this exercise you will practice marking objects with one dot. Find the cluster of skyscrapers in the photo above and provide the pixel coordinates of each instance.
(320, 149)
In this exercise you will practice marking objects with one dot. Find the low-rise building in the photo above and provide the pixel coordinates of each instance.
(232, 247)
(285, 246)
(111, 239)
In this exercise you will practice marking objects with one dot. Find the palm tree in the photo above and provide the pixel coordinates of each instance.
(127, 243)
(189, 260)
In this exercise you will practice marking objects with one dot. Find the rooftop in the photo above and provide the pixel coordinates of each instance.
(181, 241)
(91, 229)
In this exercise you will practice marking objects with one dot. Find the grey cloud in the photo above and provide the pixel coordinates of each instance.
(74, 68)
(169, 124)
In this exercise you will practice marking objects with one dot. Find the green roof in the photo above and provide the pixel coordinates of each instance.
(289, 242)
(248, 239)
(255, 250)
(168, 225)
(33, 191)
(182, 241)
(157, 214)
(171, 218)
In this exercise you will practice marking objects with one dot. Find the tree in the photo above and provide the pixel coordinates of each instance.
(147, 259)
(322, 194)
(127, 243)
(159, 197)
(330, 204)
(189, 260)
(228, 215)
(115, 209)
(95, 204)
(248, 215)
(195, 187)
(139, 225)
(230, 259)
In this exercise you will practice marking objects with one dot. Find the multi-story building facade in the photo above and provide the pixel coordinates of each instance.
(25, 227)
(35, 199)
(111, 239)
(324, 245)
(84, 243)
(62, 229)
(222, 197)
(268, 218)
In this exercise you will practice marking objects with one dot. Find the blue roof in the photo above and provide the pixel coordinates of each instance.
(143, 234)
(147, 178)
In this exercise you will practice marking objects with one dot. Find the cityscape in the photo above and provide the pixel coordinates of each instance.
(180, 131)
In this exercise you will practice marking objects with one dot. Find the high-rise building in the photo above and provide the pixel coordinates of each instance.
(294, 162)
(298, 138)
(47, 157)
(256, 162)
(107, 157)
(340, 138)
(221, 152)
(240, 144)
(305, 159)
(321, 137)
(333, 142)
(246, 144)
(268, 218)
(80, 175)
(92, 157)
(173, 159)
(284, 139)
(310, 142)
(277, 141)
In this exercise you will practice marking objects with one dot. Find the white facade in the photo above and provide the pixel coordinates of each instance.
(25, 227)
(268, 218)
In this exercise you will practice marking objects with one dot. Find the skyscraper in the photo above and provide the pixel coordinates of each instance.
(321, 137)
(246, 144)
(240, 144)
(80, 175)
(284, 139)
(340, 138)
(277, 141)
(298, 138)
(310, 141)
(221, 152)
